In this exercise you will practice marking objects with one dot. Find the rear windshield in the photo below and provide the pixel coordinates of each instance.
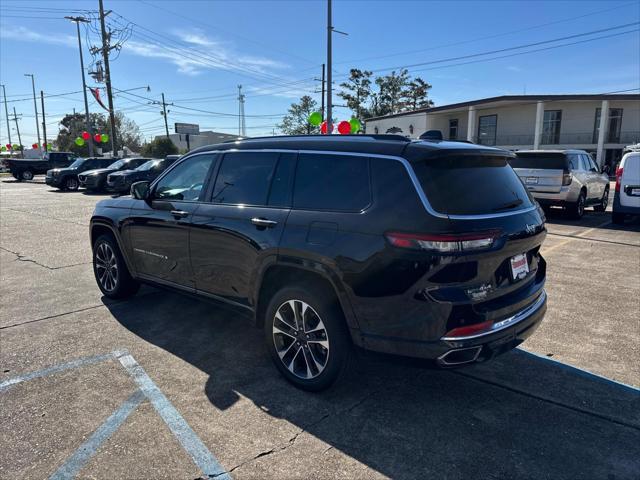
(471, 185)
(547, 161)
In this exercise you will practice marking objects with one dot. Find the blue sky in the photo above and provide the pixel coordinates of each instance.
(197, 52)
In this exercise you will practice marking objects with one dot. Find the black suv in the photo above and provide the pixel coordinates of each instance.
(96, 180)
(121, 181)
(421, 248)
(67, 178)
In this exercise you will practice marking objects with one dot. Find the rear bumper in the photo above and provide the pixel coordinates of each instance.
(619, 208)
(448, 352)
(564, 196)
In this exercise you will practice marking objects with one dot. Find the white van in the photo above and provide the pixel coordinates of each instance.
(626, 200)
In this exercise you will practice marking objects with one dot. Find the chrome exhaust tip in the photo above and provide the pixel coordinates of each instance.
(459, 356)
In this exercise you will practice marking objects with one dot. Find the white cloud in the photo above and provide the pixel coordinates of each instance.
(23, 34)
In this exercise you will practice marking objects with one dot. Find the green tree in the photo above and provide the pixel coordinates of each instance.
(296, 121)
(159, 147)
(356, 91)
(127, 133)
(389, 97)
(416, 94)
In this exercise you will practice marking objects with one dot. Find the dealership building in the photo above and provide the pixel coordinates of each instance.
(600, 124)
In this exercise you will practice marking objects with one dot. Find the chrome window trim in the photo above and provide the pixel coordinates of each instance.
(507, 322)
(409, 169)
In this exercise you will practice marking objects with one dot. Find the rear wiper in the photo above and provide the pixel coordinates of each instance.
(509, 205)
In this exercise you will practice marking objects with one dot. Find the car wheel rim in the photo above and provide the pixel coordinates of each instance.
(300, 339)
(106, 267)
(605, 200)
(72, 183)
(27, 175)
(580, 206)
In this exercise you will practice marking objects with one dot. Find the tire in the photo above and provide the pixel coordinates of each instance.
(110, 270)
(26, 175)
(603, 202)
(71, 184)
(617, 218)
(18, 176)
(324, 352)
(576, 210)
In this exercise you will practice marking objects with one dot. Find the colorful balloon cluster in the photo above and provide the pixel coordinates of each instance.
(98, 138)
(344, 127)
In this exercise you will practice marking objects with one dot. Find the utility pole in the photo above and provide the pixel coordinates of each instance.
(35, 106)
(164, 113)
(242, 129)
(44, 124)
(329, 68)
(322, 98)
(77, 21)
(15, 119)
(6, 114)
(105, 55)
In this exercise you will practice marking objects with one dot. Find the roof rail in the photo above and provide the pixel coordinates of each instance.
(397, 138)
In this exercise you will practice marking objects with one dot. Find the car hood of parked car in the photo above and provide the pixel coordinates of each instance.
(99, 171)
(124, 173)
(62, 170)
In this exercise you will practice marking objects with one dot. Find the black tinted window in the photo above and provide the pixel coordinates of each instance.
(544, 160)
(244, 178)
(280, 193)
(332, 182)
(574, 162)
(471, 185)
(185, 181)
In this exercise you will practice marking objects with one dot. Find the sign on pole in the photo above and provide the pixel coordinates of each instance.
(187, 128)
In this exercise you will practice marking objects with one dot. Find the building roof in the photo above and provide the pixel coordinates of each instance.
(515, 98)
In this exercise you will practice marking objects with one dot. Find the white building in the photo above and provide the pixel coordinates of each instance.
(529, 121)
(195, 141)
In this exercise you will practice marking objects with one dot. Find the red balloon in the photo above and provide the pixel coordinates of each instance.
(8, 146)
(97, 137)
(323, 127)
(34, 146)
(86, 135)
(344, 127)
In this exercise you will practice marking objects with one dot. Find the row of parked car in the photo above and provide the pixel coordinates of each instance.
(66, 171)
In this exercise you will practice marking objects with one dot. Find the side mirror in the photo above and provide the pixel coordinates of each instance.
(140, 190)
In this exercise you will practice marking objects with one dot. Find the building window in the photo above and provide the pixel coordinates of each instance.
(615, 125)
(453, 129)
(487, 129)
(551, 127)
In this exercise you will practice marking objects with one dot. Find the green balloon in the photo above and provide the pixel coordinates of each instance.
(79, 141)
(355, 125)
(315, 119)
(4, 149)
(49, 148)
(104, 138)
(16, 146)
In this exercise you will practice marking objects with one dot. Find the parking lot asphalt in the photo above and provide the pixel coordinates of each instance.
(164, 386)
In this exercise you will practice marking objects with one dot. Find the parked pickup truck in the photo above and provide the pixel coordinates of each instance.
(566, 178)
(24, 169)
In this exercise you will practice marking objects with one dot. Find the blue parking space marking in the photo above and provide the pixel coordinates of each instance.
(199, 453)
(75, 462)
(81, 362)
(581, 372)
(189, 440)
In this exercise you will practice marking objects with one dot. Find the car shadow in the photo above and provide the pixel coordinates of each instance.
(519, 416)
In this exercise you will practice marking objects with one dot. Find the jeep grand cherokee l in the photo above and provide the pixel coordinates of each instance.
(420, 248)
(96, 180)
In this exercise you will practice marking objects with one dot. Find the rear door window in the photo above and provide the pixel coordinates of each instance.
(574, 162)
(543, 160)
(244, 178)
(471, 185)
(332, 182)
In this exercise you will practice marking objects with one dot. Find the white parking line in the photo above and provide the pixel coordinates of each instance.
(588, 230)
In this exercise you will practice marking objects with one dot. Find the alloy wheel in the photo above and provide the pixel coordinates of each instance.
(72, 184)
(580, 205)
(27, 175)
(605, 199)
(300, 339)
(106, 267)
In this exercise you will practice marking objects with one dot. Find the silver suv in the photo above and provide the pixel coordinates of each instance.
(567, 178)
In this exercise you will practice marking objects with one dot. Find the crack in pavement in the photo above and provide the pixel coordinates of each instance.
(292, 440)
(23, 258)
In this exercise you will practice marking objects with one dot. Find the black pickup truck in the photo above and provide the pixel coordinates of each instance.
(26, 169)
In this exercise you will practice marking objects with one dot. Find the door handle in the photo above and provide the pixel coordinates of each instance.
(263, 222)
(179, 213)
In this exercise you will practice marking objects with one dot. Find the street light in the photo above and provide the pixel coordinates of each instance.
(35, 106)
(77, 21)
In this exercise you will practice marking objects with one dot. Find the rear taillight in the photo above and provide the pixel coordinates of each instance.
(444, 243)
(618, 178)
(566, 179)
(469, 330)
